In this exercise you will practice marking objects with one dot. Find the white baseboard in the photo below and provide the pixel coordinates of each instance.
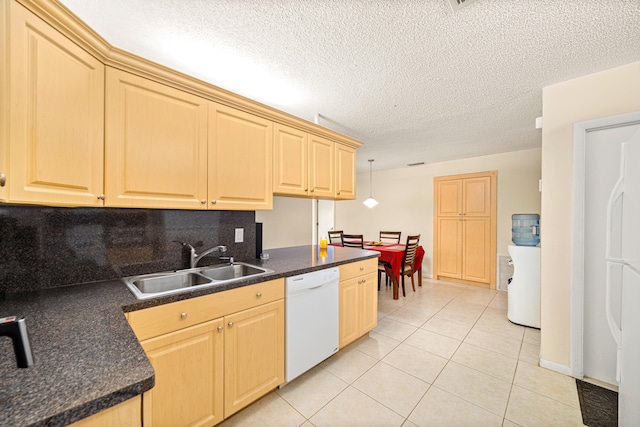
(556, 367)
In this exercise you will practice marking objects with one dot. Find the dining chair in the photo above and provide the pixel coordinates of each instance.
(409, 267)
(390, 236)
(353, 241)
(335, 236)
(387, 237)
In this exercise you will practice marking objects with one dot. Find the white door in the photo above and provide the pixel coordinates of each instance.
(602, 165)
(629, 397)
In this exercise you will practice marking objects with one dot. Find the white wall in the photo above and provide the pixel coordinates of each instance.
(288, 224)
(406, 197)
(604, 94)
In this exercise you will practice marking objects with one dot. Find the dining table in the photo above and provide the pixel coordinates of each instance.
(392, 255)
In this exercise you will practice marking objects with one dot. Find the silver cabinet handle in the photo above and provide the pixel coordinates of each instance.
(259, 294)
(3, 179)
(220, 329)
(230, 324)
(183, 315)
(101, 197)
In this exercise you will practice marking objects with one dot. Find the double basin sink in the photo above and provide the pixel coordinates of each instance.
(159, 284)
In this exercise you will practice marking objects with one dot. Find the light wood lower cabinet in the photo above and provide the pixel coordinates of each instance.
(358, 300)
(253, 354)
(125, 414)
(213, 355)
(189, 376)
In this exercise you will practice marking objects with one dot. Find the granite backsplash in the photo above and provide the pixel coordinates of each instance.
(48, 247)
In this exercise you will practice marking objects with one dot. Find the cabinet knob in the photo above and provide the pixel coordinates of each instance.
(183, 315)
(259, 294)
(213, 202)
(3, 179)
(203, 201)
(230, 324)
(220, 329)
(361, 268)
(339, 193)
(101, 197)
(313, 189)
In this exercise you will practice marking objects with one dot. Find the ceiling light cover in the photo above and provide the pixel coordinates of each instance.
(370, 202)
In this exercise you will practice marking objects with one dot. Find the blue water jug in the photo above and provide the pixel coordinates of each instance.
(525, 229)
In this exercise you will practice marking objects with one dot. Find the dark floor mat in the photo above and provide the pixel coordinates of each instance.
(599, 406)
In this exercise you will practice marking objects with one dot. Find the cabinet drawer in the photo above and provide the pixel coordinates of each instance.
(355, 269)
(166, 318)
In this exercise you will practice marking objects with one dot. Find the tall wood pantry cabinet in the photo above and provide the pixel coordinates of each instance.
(465, 228)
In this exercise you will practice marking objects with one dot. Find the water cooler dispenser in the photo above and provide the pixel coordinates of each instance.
(523, 291)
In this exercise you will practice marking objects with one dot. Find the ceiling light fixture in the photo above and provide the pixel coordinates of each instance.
(370, 202)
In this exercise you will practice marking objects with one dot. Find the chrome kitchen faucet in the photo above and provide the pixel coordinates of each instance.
(194, 258)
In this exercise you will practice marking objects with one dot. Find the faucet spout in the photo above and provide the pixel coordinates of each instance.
(16, 329)
(197, 257)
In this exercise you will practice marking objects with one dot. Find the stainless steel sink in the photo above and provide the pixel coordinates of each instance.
(172, 282)
(232, 271)
(168, 282)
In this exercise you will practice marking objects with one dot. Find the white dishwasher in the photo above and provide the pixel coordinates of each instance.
(311, 307)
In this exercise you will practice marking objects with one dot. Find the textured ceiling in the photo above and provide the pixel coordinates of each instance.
(412, 79)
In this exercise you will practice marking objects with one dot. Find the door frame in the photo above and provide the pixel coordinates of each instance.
(580, 130)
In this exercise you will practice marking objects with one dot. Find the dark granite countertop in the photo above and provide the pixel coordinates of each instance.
(87, 358)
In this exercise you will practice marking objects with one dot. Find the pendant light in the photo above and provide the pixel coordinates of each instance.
(370, 202)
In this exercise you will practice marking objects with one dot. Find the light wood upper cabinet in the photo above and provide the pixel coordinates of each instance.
(465, 228)
(156, 144)
(345, 172)
(51, 142)
(290, 164)
(321, 167)
(240, 160)
(307, 165)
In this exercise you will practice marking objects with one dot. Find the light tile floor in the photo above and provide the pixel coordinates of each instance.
(445, 355)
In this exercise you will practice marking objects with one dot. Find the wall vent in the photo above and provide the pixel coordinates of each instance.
(457, 4)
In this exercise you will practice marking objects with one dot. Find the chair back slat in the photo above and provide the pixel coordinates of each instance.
(390, 236)
(411, 249)
(353, 240)
(335, 236)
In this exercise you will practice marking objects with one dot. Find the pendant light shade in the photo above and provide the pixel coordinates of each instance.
(370, 202)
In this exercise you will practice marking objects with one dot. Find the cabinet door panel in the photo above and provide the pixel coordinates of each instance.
(349, 323)
(194, 396)
(321, 167)
(254, 354)
(57, 116)
(156, 144)
(477, 247)
(369, 301)
(450, 247)
(449, 197)
(290, 163)
(477, 196)
(240, 160)
(345, 172)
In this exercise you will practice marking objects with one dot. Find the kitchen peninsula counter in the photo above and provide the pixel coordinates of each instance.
(87, 358)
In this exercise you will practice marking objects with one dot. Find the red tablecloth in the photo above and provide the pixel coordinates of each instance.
(392, 255)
